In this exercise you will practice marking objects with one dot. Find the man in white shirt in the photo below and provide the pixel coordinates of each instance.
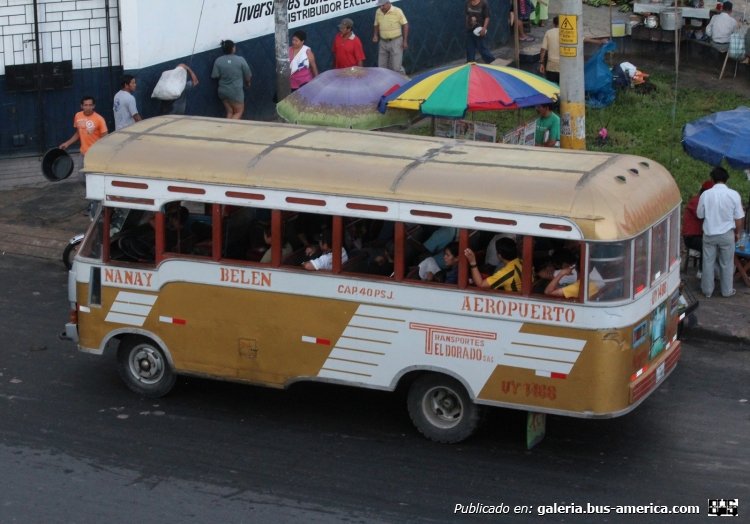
(549, 55)
(721, 26)
(323, 260)
(722, 214)
(126, 112)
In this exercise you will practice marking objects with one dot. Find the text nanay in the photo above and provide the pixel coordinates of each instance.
(513, 309)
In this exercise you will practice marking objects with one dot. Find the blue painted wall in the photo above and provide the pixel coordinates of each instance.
(436, 37)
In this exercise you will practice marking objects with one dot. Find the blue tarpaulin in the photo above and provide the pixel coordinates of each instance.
(597, 78)
(719, 136)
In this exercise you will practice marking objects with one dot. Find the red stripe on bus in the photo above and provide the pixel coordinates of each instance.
(323, 341)
(131, 200)
(558, 375)
(246, 196)
(555, 227)
(180, 321)
(131, 185)
(501, 221)
(183, 189)
(367, 207)
(433, 214)
(306, 201)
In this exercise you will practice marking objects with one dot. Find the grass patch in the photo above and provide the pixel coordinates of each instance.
(644, 125)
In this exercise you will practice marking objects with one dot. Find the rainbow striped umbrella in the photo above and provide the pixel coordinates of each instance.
(450, 92)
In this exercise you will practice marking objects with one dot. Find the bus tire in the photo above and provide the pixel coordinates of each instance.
(441, 409)
(144, 368)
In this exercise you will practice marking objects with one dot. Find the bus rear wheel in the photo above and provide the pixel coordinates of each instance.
(441, 409)
(144, 367)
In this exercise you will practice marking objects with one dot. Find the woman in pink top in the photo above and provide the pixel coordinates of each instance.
(301, 61)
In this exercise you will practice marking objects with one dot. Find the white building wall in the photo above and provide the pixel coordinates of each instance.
(156, 31)
(153, 31)
(69, 30)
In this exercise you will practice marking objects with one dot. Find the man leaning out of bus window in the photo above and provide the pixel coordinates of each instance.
(558, 288)
(508, 278)
(322, 257)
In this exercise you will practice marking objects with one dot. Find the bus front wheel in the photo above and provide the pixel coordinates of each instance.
(144, 367)
(441, 409)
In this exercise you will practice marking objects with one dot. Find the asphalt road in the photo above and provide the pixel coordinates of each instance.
(77, 446)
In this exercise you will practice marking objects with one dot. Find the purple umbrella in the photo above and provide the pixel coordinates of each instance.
(345, 98)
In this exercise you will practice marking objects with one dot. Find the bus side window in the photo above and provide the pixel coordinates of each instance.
(92, 244)
(187, 228)
(557, 269)
(318, 234)
(500, 266)
(659, 249)
(136, 239)
(370, 246)
(640, 264)
(674, 237)
(610, 263)
(237, 232)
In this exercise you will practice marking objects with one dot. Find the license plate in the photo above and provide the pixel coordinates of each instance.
(660, 372)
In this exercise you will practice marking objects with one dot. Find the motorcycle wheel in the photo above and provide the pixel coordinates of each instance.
(69, 253)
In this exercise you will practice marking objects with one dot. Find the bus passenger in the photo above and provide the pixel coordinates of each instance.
(491, 259)
(286, 249)
(323, 256)
(429, 269)
(554, 289)
(508, 278)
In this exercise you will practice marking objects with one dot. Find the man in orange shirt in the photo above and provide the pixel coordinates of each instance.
(89, 126)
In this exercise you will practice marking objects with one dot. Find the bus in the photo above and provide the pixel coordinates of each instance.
(271, 254)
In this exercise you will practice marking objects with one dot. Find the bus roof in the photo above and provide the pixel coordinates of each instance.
(609, 196)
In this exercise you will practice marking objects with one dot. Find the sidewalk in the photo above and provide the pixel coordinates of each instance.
(38, 217)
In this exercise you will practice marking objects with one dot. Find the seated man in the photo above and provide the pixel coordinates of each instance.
(554, 288)
(323, 256)
(721, 26)
(508, 278)
(286, 249)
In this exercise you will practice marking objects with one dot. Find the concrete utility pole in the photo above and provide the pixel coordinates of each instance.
(572, 95)
(281, 24)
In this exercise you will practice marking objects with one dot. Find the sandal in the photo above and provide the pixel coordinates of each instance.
(527, 39)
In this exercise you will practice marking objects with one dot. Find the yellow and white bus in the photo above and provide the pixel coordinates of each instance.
(196, 265)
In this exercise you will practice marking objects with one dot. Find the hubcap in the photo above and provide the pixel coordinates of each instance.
(146, 364)
(442, 407)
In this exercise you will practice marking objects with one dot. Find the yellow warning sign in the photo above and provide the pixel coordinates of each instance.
(569, 52)
(568, 29)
